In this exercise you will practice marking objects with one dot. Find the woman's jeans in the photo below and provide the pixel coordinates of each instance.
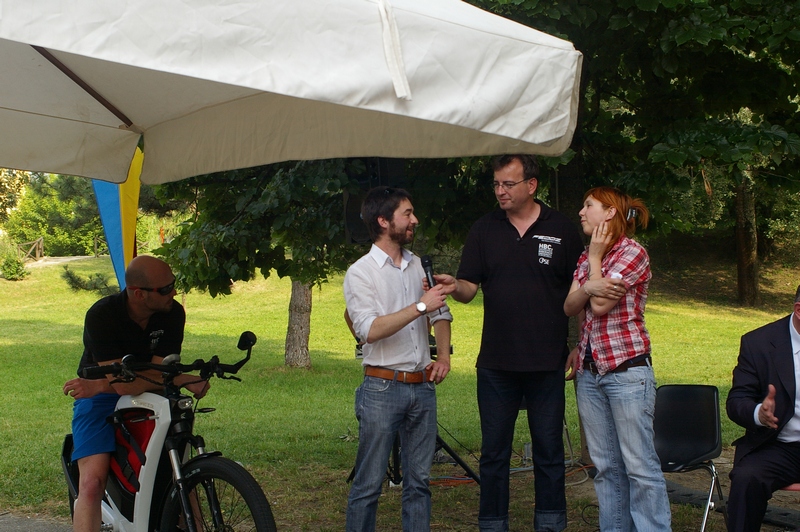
(385, 408)
(616, 410)
(500, 395)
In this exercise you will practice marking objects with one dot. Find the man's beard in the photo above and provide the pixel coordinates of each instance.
(163, 308)
(400, 237)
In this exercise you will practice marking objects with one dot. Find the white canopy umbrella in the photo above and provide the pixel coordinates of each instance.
(213, 86)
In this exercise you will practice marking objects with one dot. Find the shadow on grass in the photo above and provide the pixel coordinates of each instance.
(704, 270)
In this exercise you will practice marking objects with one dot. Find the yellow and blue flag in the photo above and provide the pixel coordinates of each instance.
(119, 205)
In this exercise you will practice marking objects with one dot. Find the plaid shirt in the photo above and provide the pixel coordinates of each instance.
(620, 334)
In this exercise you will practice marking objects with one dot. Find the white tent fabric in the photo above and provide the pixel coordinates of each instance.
(214, 86)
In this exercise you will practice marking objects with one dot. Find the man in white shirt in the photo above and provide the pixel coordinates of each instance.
(764, 400)
(392, 314)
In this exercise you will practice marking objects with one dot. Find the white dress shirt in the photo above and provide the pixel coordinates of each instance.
(374, 286)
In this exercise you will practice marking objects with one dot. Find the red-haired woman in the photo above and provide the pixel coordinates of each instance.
(616, 386)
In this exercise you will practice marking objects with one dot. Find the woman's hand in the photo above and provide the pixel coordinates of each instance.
(601, 241)
(606, 287)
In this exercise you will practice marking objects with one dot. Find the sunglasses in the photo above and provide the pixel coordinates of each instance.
(164, 290)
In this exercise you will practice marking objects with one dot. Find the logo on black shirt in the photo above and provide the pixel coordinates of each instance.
(155, 336)
(546, 247)
(547, 238)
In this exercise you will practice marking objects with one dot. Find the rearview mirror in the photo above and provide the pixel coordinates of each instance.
(171, 359)
(246, 341)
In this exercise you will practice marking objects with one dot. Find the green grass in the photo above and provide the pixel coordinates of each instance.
(290, 427)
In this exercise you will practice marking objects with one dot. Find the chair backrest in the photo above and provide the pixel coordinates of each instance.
(687, 425)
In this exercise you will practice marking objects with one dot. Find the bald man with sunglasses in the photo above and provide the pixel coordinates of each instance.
(143, 320)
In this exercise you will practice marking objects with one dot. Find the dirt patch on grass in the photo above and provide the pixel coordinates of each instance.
(782, 514)
(50, 261)
(703, 269)
(321, 501)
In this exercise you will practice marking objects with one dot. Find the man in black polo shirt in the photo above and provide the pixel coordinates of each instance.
(522, 256)
(145, 321)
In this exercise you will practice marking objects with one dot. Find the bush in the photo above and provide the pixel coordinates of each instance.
(96, 282)
(13, 268)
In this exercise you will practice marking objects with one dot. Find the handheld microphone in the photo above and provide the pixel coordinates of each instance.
(427, 266)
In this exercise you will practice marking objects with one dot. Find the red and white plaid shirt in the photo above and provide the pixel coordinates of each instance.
(620, 334)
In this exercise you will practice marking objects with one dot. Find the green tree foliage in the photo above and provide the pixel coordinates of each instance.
(780, 207)
(61, 209)
(664, 83)
(285, 217)
(12, 186)
(228, 237)
(676, 92)
(306, 198)
(449, 195)
(289, 218)
(151, 203)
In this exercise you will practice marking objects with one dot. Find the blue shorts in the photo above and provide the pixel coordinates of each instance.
(91, 433)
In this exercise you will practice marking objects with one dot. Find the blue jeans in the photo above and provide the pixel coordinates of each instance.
(617, 414)
(500, 395)
(385, 408)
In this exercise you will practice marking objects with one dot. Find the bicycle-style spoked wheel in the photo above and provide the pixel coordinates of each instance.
(224, 498)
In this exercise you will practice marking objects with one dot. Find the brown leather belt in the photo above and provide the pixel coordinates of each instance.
(636, 362)
(390, 375)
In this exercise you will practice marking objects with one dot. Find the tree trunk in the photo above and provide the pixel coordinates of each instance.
(746, 243)
(299, 326)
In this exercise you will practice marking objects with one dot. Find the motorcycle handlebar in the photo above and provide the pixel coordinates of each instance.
(95, 372)
(213, 367)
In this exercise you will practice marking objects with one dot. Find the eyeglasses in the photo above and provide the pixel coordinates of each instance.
(164, 290)
(507, 185)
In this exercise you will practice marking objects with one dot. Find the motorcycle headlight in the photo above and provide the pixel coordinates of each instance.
(185, 403)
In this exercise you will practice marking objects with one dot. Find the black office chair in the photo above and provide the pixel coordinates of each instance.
(687, 433)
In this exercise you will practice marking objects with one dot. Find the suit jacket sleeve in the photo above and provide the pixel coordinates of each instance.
(749, 386)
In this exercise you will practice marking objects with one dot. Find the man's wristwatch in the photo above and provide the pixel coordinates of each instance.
(422, 308)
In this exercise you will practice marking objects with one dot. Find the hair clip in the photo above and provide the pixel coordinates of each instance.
(631, 213)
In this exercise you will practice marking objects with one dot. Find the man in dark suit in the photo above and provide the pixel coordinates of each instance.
(764, 400)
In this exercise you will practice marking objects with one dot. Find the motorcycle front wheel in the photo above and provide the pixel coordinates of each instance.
(223, 497)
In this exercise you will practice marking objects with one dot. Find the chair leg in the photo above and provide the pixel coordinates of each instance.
(723, 507)
(712, 470)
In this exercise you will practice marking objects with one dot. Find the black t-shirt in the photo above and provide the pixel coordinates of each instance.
(110, 334)
(525, 281)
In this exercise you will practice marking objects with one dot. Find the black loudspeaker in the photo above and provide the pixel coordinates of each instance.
(378, 171)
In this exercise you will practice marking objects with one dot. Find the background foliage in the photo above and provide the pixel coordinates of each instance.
(286, 217)
(12, 185)
(62, 210)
